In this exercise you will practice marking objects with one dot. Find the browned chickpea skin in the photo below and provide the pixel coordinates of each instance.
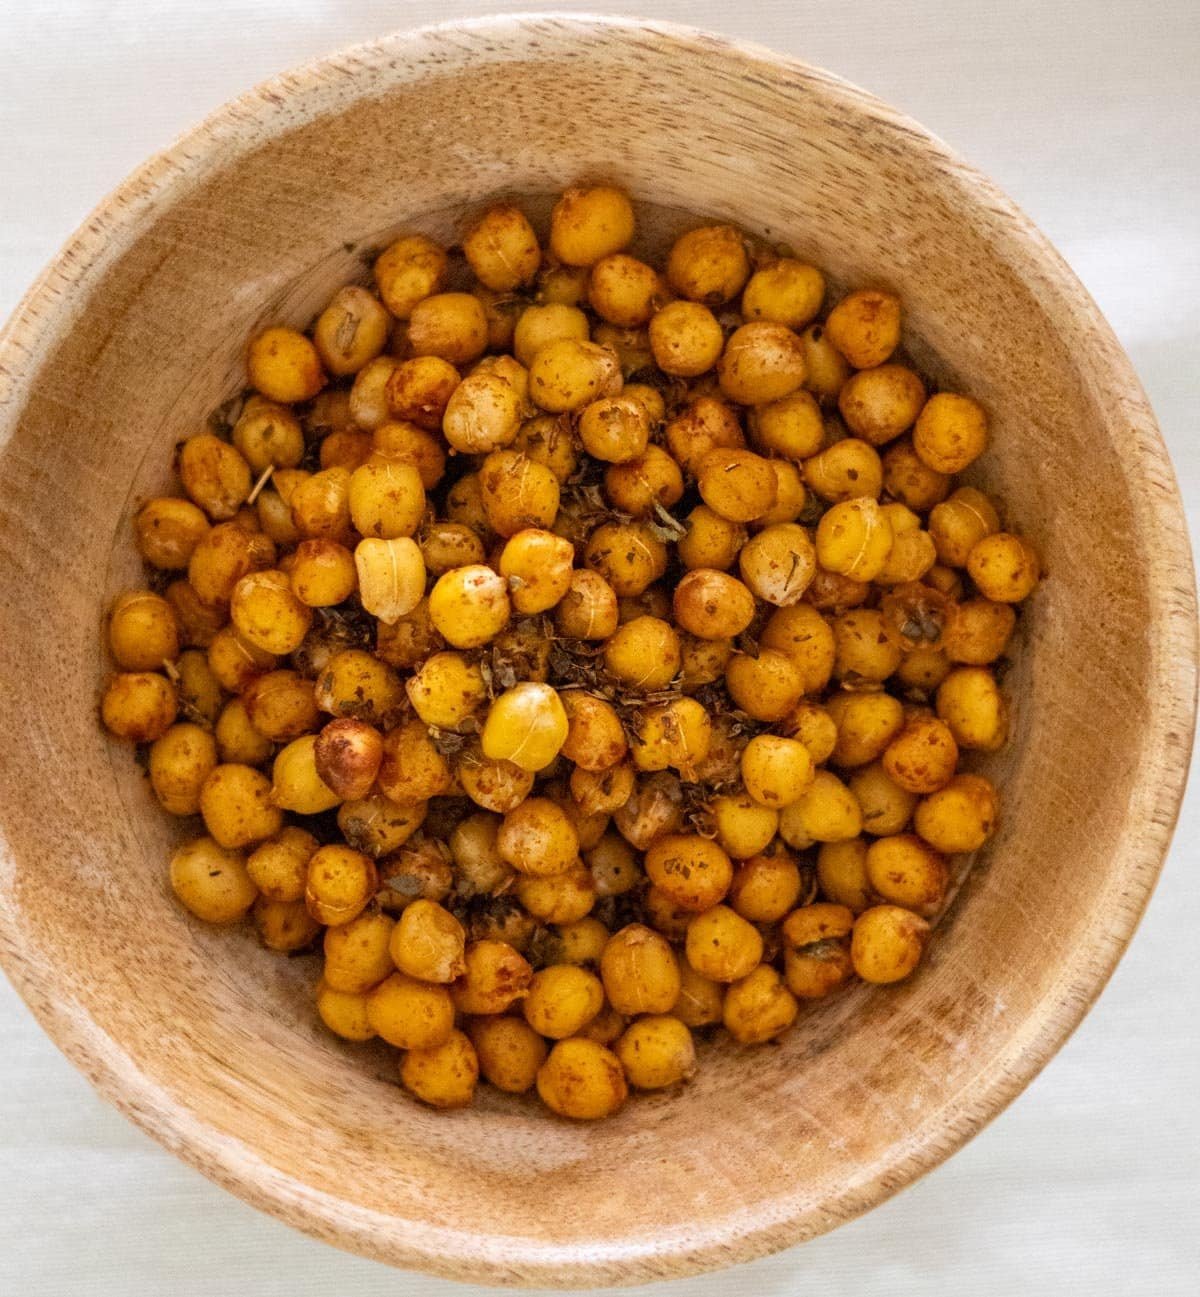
(705, 424)
(502, 249)
(880, 404)
(709, 264)
(713, 605)
(865, 326)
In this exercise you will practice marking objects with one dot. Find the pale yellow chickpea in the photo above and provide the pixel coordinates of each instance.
(143, 632)
(657, 1051)
(705, 424)
(866, 723)
(568, 373)
(483, 414)
(826, 369)
(887, 944)
(766, 887)
(408, 271)
(744, 827)
(211, 881)
(284, 366)
(686, 339)
(509, 1052)
(629, 556)
(279, 866)
(236, 804)
(827, 811)
(766, 686)
(802, 634)
(880, 404)
(854, 539)
(357, 953)
(923, 756)
(775, 770)
(281, 705)
(167, 530)
(267, 614)
(588, 224)
(778, 564)
(907, 478)
(762, 362)
(759, 1007)
(644, 654)
(582, 1079)
(1004, 567)
(442, 1075)
(526, 725)
(842, 873)
(469, 606)
(502, 249)
(903, 870)
(497, 976)
(959, 817)
(723, 946)
(214, 474)
(709, 264)
(865, 326)
(295, 783)
(979, 632)
(352, 330)
(886, 807)
(640, 971)
(344, 1013)
(792, 427)
(951, 432)
(180, 761)
(238, 741)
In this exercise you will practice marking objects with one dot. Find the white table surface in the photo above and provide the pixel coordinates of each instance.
(1088, 113)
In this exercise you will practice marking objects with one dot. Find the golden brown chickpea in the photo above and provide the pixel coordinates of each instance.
(951, 432)
(651, 399)
(446, 690)
(267, 614)
(469, 606)
(642, 485)
(589, 608)
(703, 661)
(907, 478)
(694, 872)
(562, 1000)
(595, 738)
(712, 605)
(588, 224)
(785, 291)
(280, 705)
(624, 291)
(600, 792)
(775, 770)
(581, 941)
(428, 943)
(222, 557)
(737, 484)
(630, 346)
(561, 898)
(761, 363)
(1004, 567)
(494, 784)
(644, 654)
(865, 327)
(723, 946)
(452, 326)
(970, 702)
(842, 873)
(509, 1052)
(351, 330)
(825, 367)
(676, 734)
(903, 870)
(657, 1051)
(923, 756)
(480, 870)
(284, 366)
(345, 1014)
(237, 739)
(765, 888)
(709, 265)
(322, 573)
(483, 414)
(142, 631)
(850, 469)
(340, 883)
(886, 806)
(582, 1079)
(615, 429)
(537, 566)
(214, 475)
(888, 943)
(979, 632)
(826, 812)
(758, 1007)
(817, 949)
(356, 683)
(686, 339)
(613, 865)
(413, 769)
(790, 495)
(235, 662)
(211, 881)
(295, 784)
(656, 807)
(880, 404)
(180, 761)
(279, 866)
(766, 687)
(167, 531)
(706, 424)
(700, 999)
(502, 248)
(321, 505)
(813, 726)
(568, 374)
(538, 838)
(959, 523)
(408, 271)
(547, 439)
(866, 724)
(802, 634)
(526, 725)
(377, 825)
(854, 539)
(285, 926)
(923, 669)
(418, 390)
(347, 756)
(913, 552)
(640, 971)
(629, 556)
(442, 1075)
(410, 1014)
(386, 497)
(345, 448)
(959, 817)
(517, 493)
(538, 326)
(496, 977)
(778, 564)
(420, 870)
(791, 426)
(867, 651)
(139, 706)
(236, 804)
(744, 827)
(711, 541)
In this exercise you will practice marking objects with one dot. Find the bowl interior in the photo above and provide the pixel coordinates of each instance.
(135, 336)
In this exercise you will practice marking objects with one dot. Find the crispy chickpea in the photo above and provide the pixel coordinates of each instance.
(642, 485)
(378, 826)
(903, 870)
(267, 614)
(589, 608)
(235, 662)
(705, 424)
(321, 504)
(502, 248)
(790, 495)
(959, 817)
(588, 224)
(410, 1014)
(709, 264)
(198, 622)
(562, 898)
(815, 969)
(167, 530)
(428, 943)
(745, 828)
(923, 756)
(737, 484)
(866, 723)
(442, 1075)
(826, 368)
(629, 556)
(408, 271)
(842, 873)
(970, 702)
(785, 291)
(496, 977)
(211, 881)
(778, 564)
(344, 1013)
(711, 541)
(644, 654)
(675, 734)
(322, 573)
(180, 761)
(950, 433)
(959, 523)
(582, 1079)
(775, 770)
(357, 953)
(236, 804)
(538, 838)
(700, 999)
(907, 478)
(386, 497)
(446, 690)
(538, 326)
(1004, 567)
(347, 756)
(419, 390)
(526, 725)
(913, 552)
(538, 567)
(854, 539)
(762, 362)
(284, 366)
(600, 792)
(413, 769)
(547, 439)
(979, 632)
(865, 327)
(279, 866)
(214, 475)
(887, 943)
(712, 605)
(509, 1052)
(624, 291)
(923, 669)
(694, 872)
(640, 971)
(886, 806)
(295, 783)
(651, 399)
(340, 883)
(657, 1051)
(850, 469)
(813, 726)
(483, 414)
(758, 1007)
(495, 784)
(581, 941)
(469, 606)
(791, 427)
(351, 330)
(480, 870)
(765, 687)
(686, 339)
(765, 887)
(452, 326)
(802, 634)
(281, 706)
(562, 1000)
(832, 592)
(703, 661)
(826, 812)
(595, 737)
(409, 639)
(880, 404)
(613, 865)
(223, 556)
(517, 493)
(346, 448)
(142, 631)
(867, 651)
(238, 740)
(356, 683)
(568, 374)
(723, 946)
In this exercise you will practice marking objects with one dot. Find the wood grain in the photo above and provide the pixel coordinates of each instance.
(136, 329)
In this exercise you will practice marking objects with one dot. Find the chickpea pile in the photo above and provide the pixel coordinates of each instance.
(581, 653)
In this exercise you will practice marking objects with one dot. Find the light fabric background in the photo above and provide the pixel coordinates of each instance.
(1088, 113)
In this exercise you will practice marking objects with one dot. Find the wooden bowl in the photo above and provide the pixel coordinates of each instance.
(136, 331)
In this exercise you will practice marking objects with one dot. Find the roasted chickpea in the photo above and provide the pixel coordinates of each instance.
(223, 556)
(700, 999)
(143, 633)
(959, 523)
(886, 806)
(842, 873)
(792, 427)
(766, 887)
(979, 632)
(865, 327)
(321, 504)
(1004, 567)
(923, 756)
(538, 838)
(446, 690)
(568, 374)
(887, 943)
(624, 291)
(180, 761)
(613, 866)
(923, 669)
(235, 661)
(347, 756)
(907, 478)
(778, 564)
(267, 614)
(236, 804)
(762, 362)
(854, 539)
(517, 493)
(214, 475)
(705, 424)
(709, 265)
(802, 634)
(547, 439)
(903, 870)
(826, 812)
(758, 1007)
(418, 391)
(340, 883)
(452, 326)
(537, 565)
(483, 414)
(951, 432)
(139, 706)
(866, 723)
(295, 783)
(588, 224)
(279, 866)
(785, 291)
(826, 368)
(469, 606)
(657, 1051)
(880, 404)
(711, 541)
(413, 769)
(970, 702)
(167, 530)
(813, 726)
(686, 339)
(344, 1013)
(850, 469)
(775, 770)
(744, 827)
(676, 734)
(238, 741)
(428, 943)
(526, 725)
(410, 1014)
(712, 605)
(832, 592)
(211, 881)
(502, 248)
(595, 737)
(562, 898)
(723, 946)
(645, 484)
(644, 654)
(582, 1079)
(408, 271)
(346, 448)
(867, 650)
(737, 484)
(640, 971)
(509, 1051)
(442, 1075)
(959, 817)
(357, 953)
(284, 366)
(629, 556)
(694, 872)
(351, 330)
(765, 687)
(703, 662)
(562, 1000)
(281, 706)
(322, 573)
(386, 497)
(496, 977)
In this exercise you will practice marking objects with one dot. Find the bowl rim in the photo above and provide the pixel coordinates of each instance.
(50, 308)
